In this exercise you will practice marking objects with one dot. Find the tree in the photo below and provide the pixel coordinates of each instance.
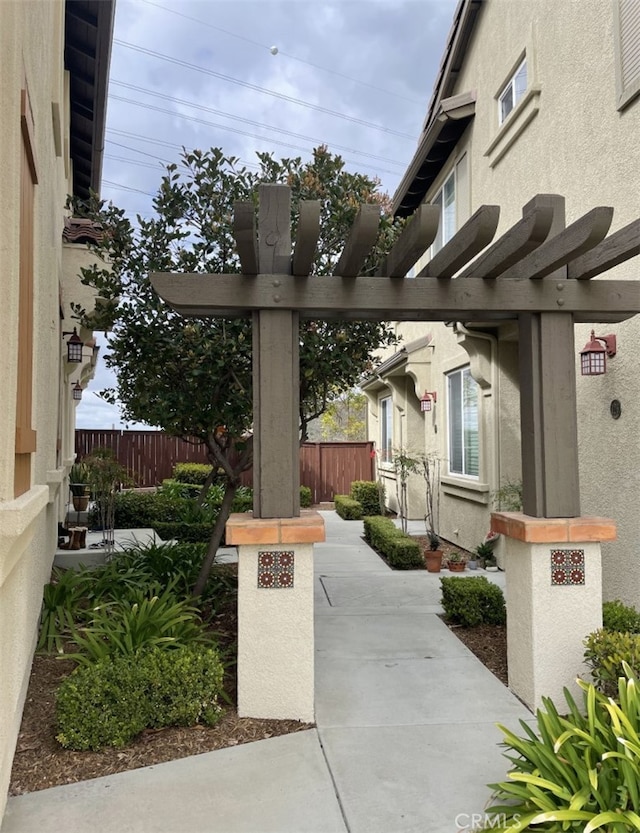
(345, 418)
(192, 376)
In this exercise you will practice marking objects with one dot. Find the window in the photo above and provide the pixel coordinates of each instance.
(446, 200)
(386, 430)
(463, 423)
(512, 92)
(627, 50)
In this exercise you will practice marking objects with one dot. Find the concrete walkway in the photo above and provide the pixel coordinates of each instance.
(405, 740)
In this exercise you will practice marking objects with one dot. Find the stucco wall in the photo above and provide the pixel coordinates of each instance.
(567, 137)
(31, 45)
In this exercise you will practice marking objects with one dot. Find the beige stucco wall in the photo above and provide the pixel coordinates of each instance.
(31, 46)
(566, 137)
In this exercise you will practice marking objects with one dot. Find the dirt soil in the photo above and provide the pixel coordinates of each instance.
(40, 762)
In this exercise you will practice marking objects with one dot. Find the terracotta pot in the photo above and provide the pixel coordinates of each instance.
(457, 566)
(433, 559)
(80, 503)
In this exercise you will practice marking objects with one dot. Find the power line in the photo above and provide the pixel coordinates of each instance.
(148, 106)
(201, 22)
(222, 76)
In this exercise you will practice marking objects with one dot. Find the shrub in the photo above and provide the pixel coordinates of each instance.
(191, 472)
(109, 703)
(306, 498)
(347, 508)
(147, 619)
(401, 551)
(605, 653)
(617, 616)
(62, 600)
(185, 533)
(473, 601)
(175, 489)
(369, 494)
(579, 772)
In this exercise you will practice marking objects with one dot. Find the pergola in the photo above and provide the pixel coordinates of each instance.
(539, 272)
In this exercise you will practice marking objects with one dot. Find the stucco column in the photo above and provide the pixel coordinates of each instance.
(554, 599)
(275, 614)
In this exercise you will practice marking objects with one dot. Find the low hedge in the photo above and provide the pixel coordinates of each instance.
(195, 473)
(306, 497)
(617, 616)
(605, 651)
(369, 494)
(112, 701)
(473, 601)
(198, 533)
(348, 508)
(401, 551)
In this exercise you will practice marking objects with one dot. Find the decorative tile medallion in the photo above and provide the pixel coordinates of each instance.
(275, 569)
(567, 567)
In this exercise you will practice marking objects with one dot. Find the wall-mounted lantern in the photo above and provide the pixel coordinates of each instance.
(428, 400)
(593, 358)
(74, 347)
(76, 391)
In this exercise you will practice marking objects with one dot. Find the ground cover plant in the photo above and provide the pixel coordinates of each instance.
(579, 771)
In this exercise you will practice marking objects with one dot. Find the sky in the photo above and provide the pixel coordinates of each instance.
(355, 75)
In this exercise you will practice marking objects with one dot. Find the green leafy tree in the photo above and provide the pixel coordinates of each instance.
(192, 376)
(345, 418)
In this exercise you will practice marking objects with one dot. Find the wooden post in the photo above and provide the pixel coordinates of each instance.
(276, 466)
(550, 481)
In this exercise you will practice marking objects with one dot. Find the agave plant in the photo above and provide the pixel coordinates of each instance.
(579, 772)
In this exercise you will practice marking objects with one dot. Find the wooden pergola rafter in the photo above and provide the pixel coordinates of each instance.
(538, 272)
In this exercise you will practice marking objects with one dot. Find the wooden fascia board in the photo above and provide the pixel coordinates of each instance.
(465, 109)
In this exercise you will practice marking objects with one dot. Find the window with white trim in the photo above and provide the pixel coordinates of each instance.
(512, 92)
(446, 200)
(386, 430)
(462, 389)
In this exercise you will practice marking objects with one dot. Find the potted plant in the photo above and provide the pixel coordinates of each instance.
(485, 552)
(472, 562)
(79, 486)
(433, 556)
(456, 562)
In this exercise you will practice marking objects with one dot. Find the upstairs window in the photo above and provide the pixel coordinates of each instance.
(463, 423)
(512, 92)
(627, 50)
(386, 430)
(446, 201)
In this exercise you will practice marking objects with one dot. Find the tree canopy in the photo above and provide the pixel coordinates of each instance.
(192, 376)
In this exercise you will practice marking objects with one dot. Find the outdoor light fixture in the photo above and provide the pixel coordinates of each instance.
(77, 392)
(427, 400)
(593, 359)
(74, 347)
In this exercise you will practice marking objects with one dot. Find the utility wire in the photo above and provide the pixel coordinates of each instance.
(222, 76)
(201, 22)
(148, 106)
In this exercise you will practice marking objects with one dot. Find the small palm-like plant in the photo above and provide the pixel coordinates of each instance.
(579, 772)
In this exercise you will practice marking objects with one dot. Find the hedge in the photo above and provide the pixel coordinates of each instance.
(191, 472)
(369, 494)
(348, 508)
(473, 601)
(401, 551)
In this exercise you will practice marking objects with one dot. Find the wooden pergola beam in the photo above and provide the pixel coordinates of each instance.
(415, 239)
(307, 236)
(361, 240)
(569, 244)
(373, 298)
(616, 248)
(244, 232)
(521, 239)
(474, 235)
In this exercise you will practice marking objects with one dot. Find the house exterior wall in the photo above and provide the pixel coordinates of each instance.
(566, 136)
(32, 48)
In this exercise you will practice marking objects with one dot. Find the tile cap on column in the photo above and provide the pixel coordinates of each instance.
(243, 528)
(553, 530)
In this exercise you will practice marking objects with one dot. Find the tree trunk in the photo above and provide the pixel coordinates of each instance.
(216, 538)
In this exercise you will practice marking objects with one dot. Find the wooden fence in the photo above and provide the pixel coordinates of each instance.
(327, 468)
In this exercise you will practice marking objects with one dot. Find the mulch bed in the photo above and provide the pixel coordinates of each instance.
(489, 644)
(40, 762)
